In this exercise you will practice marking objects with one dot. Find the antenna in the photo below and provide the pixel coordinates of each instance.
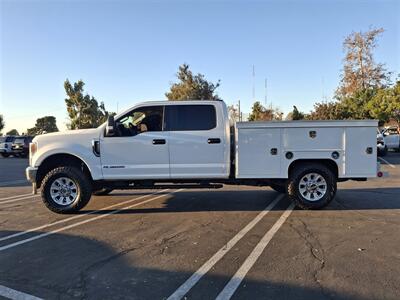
(266, 95)
(254, 87)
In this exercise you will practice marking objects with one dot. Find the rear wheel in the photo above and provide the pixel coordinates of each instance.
(102, 192)
(312, 186)
(66, 190)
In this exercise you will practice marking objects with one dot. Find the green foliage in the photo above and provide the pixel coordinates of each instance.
(2, 124)
(43, 125)
(385, 104)
(296, 114)
(13, 132)
(260, 113)
(328, 111)
(83, 110)
(192, 87)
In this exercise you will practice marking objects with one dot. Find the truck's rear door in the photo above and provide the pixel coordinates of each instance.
(197, 145)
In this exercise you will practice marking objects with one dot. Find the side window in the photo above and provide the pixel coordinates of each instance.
(190, 117)
(142, 119)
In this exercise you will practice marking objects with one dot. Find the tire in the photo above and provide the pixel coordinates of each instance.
(297, 187)
(280, 188)
(383, 152)
(82, 194)
(5, 154)
(102, 192)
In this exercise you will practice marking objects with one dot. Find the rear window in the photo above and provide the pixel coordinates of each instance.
(190, 117)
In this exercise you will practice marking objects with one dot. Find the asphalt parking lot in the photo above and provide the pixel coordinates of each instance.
(235, 242)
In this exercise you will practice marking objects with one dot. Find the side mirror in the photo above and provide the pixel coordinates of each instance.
(110, 128)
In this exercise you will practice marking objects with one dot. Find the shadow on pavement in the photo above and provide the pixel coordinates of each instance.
(256, 200)
(73, 267)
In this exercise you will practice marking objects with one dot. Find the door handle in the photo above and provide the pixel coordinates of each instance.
(214, 141)
(159, 142)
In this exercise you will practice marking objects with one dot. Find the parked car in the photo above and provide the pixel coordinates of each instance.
(5, 145)
(392, 137)
(190, 144)
(20, 146)
(381, 143)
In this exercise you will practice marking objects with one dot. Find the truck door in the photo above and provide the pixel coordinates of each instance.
(196, 142)
(139, 149)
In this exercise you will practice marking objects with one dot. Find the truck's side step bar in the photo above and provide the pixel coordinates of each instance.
(171, 186)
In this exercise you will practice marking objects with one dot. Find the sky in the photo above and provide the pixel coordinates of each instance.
(127, 52)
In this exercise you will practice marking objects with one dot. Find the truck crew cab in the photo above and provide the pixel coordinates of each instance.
(192, 144)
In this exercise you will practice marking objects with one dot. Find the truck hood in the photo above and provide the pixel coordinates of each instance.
(69, 135)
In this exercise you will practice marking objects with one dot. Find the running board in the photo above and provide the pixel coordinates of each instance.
(171, 186)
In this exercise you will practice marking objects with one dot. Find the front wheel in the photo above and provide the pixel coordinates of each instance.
(5, 154)
(66, 190)
(312, 186)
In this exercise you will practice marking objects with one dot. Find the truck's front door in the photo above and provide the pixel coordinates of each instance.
(139, 148)
(197, 143)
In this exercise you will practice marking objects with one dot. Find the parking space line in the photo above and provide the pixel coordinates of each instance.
(388, 163)
(12, 197)
(19, 199)
(39, 236)
(75, 217)
(189, 283)
(235, 281)
(15, 295)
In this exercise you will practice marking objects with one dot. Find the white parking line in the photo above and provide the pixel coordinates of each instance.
(12, 197)
(388, 163)
(235, 281)
(188, 284)
(76, 217)
(15, 295)
(39, 236)
(19, 199)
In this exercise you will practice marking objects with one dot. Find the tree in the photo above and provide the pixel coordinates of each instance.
(83, 110)
(43, 125)
(2, 124)
(233, 113)
(260, 113)
(385, 104)
(360, 71)
(192, 87)
(12, 132)
(295, 114)
(332, 110)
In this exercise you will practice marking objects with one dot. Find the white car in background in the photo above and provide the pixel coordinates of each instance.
(392, 138)
(381, 143)
(5, 145)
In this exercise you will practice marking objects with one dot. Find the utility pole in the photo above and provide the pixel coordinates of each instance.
(240, 114)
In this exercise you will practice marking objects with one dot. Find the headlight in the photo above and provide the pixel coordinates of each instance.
(32, 150)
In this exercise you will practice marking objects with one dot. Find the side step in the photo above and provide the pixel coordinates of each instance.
(172, 186)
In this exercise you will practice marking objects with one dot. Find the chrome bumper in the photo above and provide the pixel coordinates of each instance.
(30, 173)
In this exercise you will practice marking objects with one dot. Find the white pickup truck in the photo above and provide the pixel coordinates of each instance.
(192, 144)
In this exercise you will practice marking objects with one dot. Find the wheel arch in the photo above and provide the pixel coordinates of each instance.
(59, 160)
(329, 163)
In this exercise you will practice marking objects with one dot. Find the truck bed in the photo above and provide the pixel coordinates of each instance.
(267, 149)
